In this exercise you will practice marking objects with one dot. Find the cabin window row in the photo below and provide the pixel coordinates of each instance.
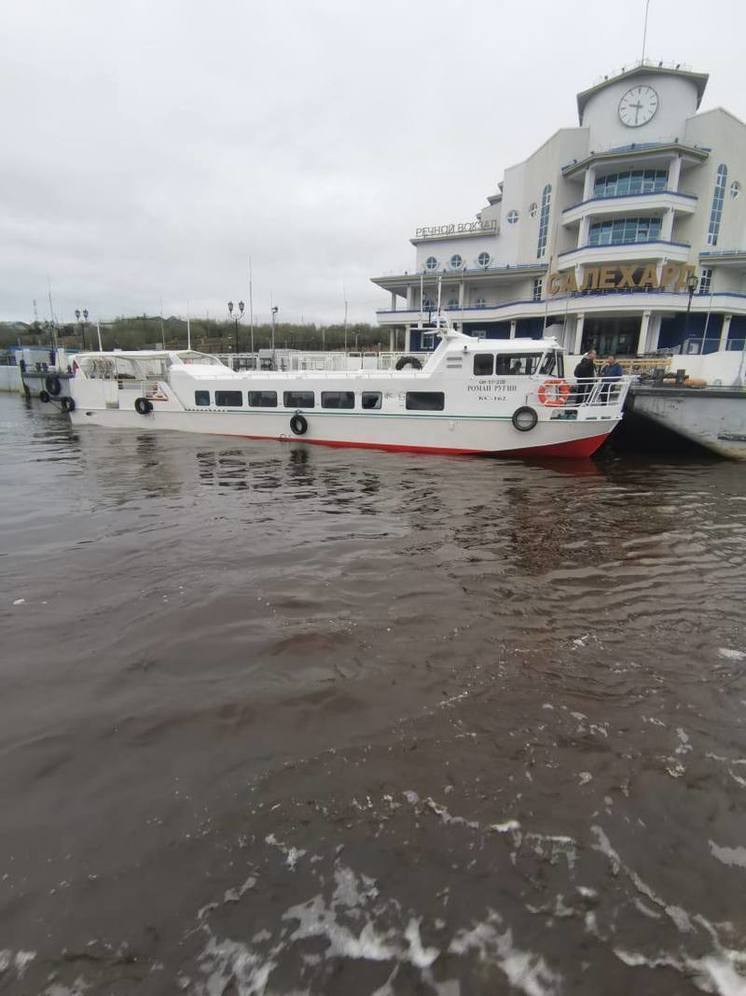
(369, 400)
(517, 364)
(418, 401)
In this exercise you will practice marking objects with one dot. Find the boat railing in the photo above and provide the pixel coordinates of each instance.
(577, 393)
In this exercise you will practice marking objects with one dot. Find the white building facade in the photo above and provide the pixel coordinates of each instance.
(626, 234)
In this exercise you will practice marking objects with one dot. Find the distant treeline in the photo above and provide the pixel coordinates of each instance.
(210, 336)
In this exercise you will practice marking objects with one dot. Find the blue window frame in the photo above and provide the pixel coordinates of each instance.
(718, 199)
(546, 203)
(604, 233)
(632, 181)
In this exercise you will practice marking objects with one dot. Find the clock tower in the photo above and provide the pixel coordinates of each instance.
(645, 103)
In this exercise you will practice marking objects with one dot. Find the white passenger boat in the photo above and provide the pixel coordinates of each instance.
(501, 397)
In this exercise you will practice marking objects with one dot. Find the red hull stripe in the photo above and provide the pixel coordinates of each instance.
(573, 449)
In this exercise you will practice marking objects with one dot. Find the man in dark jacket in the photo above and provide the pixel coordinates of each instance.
(585, 371)
(611, 371)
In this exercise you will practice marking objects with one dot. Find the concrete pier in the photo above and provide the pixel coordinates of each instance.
(711, 417)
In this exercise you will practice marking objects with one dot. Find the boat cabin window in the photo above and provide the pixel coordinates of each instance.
(425, 401)
(202, 398)
(262, 399)
(484, 364)
(337, 399)
(516, 364)
(298, 399)
(191, 357)
(552, 364)
(229, 399)
(370, 400)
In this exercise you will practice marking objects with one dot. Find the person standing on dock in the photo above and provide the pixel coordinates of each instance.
(585, 372)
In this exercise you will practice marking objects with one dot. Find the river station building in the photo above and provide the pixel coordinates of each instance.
(625, 234)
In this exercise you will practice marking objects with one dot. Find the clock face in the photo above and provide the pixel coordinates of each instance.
(638, 106)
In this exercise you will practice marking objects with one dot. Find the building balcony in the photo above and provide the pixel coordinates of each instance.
(608, 207)
(734, 259)
(639, 154)
(624, 252)
(399, 282)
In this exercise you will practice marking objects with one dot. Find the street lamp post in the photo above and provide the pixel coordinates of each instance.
(692, 282)
(236, 319)
(82, 324)
(275, 309)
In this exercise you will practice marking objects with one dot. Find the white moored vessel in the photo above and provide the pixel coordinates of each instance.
(505, 397)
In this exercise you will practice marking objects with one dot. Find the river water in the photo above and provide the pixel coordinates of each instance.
(280, 719)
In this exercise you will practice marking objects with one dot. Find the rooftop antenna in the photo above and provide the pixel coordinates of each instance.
(645, 30)
(344, 292)
(189, 329)
(251, 304)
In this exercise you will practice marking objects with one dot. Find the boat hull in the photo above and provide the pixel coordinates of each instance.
(423, 433)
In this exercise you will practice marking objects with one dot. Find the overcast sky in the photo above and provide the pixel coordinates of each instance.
(149, 147)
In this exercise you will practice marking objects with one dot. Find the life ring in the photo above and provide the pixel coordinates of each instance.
(554, 393)
(298, 424)
(408, 361)
(67, 404)
(524, 418)
(43, 397)
(143, 406)
(53, 385)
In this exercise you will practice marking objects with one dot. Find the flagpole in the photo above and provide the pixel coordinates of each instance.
(98, 329)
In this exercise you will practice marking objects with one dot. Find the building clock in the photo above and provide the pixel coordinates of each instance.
(638, 106)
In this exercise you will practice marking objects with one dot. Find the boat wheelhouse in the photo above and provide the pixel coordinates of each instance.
(508, 398)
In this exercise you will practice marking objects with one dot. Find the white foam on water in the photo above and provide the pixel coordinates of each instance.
(78, 988)
(526, 971)
(230, 961)
(734, 856)
(443, 813)
(584, 777)
(6, 956)
(19, 601)
(710, 974)
(727, 653)
(684, 743)
(233, 895)
(292, 854)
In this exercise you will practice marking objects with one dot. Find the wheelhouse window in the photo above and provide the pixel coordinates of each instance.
(516, 364)
(229, 399)
(552, 364)
(370, 400)
(202, 398)
(623, 230)
(484, 364)
(298, 399)
(262, 399)
(337, 399)
(425, 401)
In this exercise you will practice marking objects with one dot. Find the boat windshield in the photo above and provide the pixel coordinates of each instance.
(110, 367)
(191, 356)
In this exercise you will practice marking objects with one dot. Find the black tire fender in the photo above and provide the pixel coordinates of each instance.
(409, 361)
(298, 424)
(68, 404)
(53, 385)
(524, 419)
(44, 397)
(143, 406)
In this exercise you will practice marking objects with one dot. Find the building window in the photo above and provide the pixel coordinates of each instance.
(484, 260)
(538, 288)
(480, 302)
(546, 203)
(298, 399)
(622, 230)
(456, 262)
(428, 304)
(716, 213)
(370, 400)
(632, 181)
(229, 399)
(337, 399)
(512, 217)
(201, 398)
(431, 263)
(452, 302)
(262, 399)
(705, 282)
(425, 401)
(735, 189)
(484, 364)
(532, 209)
